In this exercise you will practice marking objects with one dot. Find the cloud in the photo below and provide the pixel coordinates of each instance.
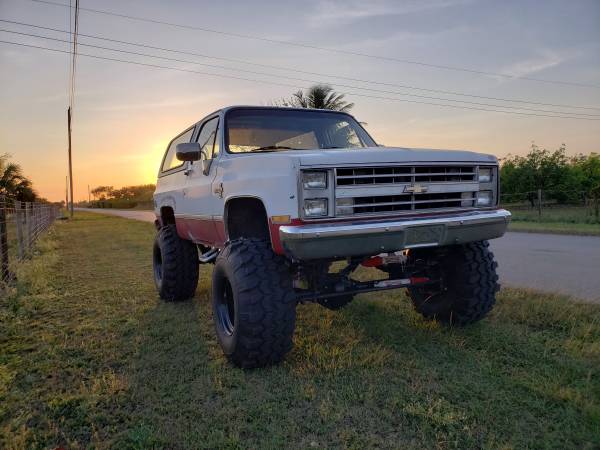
(545, 59)
(339, 12)
(397, 37)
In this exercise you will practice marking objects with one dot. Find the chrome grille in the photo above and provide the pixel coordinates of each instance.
(404, 174)
(404, 189)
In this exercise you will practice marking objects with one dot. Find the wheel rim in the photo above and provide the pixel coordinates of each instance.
(226, 309)
(157, 263)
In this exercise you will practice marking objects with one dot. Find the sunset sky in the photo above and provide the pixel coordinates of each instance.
(125, 114)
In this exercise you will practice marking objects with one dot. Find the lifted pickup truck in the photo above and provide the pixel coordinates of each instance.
(274, 196)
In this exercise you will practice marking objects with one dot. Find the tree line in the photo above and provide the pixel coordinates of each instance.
(125, 197)
(565, 179)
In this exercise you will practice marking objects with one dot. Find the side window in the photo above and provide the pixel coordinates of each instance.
(170, 161)
(207, 138)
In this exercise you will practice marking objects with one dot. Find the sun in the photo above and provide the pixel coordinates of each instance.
(151, 161)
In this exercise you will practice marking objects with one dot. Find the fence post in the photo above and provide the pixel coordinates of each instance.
(539, 203)
(4, 273)
(19, 222)
(34, 220)
(27, 240)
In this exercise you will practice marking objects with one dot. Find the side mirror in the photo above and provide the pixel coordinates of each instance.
(189, 151)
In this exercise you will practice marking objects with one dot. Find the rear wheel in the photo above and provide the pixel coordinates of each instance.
(467, 289)
(175, 264)
(254, 305)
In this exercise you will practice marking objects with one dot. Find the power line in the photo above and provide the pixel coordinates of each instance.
(293, 85)
(237, 61)
(306, 80)
(326, 49)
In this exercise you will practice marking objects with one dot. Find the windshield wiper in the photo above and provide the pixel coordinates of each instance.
(272, 147)
(330, 147)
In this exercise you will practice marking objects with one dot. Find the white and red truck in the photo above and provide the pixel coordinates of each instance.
(273, 196)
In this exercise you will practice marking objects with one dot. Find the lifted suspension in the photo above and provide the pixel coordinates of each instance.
(321, 284)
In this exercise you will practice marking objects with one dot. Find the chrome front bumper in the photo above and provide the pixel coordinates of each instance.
(342, 239)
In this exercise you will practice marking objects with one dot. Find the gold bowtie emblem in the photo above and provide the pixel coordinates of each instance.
(416, 189)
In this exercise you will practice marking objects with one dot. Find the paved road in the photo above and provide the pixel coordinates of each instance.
(547, 262)
(550, 262)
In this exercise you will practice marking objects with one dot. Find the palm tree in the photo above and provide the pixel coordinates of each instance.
(12, 181)
(319, 96)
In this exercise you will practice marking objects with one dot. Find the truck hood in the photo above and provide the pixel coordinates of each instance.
(387, 155)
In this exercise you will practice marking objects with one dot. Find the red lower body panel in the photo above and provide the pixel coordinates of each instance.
(205, 231)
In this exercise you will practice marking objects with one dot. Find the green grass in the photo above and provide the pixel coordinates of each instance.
(555, 219)
(89, 357)
(583, 229)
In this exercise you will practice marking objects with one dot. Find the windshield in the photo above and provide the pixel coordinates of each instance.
(260, 130)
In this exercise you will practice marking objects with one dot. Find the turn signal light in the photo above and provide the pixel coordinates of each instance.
(278, 220)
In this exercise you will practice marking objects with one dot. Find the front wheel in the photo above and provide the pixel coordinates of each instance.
(254, 305)
(467, 288)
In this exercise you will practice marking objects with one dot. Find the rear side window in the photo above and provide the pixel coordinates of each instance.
(171, 162)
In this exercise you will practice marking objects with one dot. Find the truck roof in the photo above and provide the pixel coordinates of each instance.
(285, 108)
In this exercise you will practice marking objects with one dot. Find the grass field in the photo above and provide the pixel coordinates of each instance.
(555, 219)
(90, 358)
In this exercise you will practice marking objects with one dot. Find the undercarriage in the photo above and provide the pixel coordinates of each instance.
(255, 291)
(316, 280)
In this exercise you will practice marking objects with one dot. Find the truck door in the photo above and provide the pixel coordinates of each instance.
(171, 178)
(202, 206)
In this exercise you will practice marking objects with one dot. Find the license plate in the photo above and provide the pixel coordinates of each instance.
(430, 234)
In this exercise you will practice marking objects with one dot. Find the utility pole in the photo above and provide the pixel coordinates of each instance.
(70, 163)
(67, 192)
(72, 99)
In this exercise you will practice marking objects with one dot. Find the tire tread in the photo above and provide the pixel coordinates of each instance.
(473, 288)
(266, 300)
(180, 265)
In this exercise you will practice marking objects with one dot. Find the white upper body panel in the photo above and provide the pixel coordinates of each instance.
(273, 177)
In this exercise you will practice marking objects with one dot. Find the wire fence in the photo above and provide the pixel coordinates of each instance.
(555, 205)
(21, 225)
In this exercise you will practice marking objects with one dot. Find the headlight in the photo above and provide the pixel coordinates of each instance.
(485, 174)
(315, 207)
(314, 180)
(485, 198)
(344, 206)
